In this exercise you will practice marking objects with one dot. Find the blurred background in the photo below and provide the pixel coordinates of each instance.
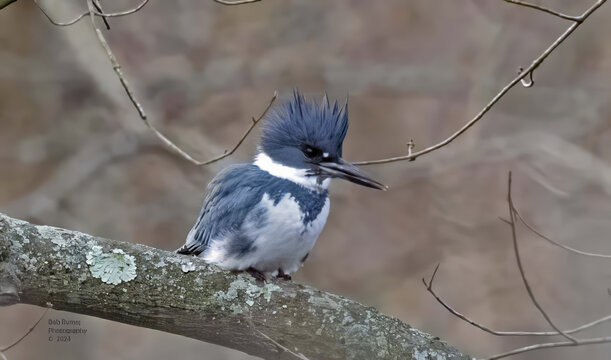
(75, 154)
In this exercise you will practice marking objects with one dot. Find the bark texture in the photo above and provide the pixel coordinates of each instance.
(183, 295)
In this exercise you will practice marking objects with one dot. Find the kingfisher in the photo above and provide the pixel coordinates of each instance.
(264, 217)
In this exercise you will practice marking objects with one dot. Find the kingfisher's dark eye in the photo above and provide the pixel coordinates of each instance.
(311, 152)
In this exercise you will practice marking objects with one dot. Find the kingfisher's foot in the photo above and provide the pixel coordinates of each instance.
(282, 275)
(258, 275)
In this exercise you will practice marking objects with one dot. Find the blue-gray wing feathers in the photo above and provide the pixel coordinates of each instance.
(233, 195)
(228, 200)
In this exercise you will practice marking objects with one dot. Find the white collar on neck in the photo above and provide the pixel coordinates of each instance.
(298, 176)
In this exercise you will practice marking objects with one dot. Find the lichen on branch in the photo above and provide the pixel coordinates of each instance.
(143, 286)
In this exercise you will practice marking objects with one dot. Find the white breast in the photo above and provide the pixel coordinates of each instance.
(281, 243)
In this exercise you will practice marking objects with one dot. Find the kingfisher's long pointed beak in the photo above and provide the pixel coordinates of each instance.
(345, 170)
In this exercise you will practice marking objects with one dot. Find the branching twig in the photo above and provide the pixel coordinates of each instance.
(565, 247)
(99, 12)
(92, 11)
(59, 23)
(429, 288)
(246, 133)
(513, 214)
(98, 7)
(514, 238)
(115, 64)
(535, 64)
(236, 2)
(546, 10)
(591, 341)
(95, 10)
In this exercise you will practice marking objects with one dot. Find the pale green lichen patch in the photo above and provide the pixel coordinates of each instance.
(247, 290)
(56, 235)
(267, 291)
(322, 302)
(112, 268)
(347, 319)
(236, 309)
(189, 263)
(15, 225)
(60, 242)
(382, 345)
(428, 355)
(188, 266)
(16, 245)
(30, 263)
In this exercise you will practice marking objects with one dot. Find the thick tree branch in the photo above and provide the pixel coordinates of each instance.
(184, 295)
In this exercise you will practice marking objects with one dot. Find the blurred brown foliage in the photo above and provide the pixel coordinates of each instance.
(75, 154)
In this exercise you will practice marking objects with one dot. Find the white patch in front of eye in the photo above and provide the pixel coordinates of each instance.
(299, 176)
(325, 155)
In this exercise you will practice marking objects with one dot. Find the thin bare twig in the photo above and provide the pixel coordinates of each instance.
(117, 68)
(98, 7)
(590, 341)
(572, 341)
(58, 23)
(130, 94)
(429, 288)
(246, 133)
(535, 64)
(546, 10)
(97, 11)
(565, 247)
(516, 250)
(27, 333)
(236, 2)
(115, 64)
(513, 214)
(121, 13)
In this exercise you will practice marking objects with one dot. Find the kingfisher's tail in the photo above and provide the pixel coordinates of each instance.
(188, 250)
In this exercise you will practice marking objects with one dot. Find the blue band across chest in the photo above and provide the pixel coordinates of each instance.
(310, 202)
